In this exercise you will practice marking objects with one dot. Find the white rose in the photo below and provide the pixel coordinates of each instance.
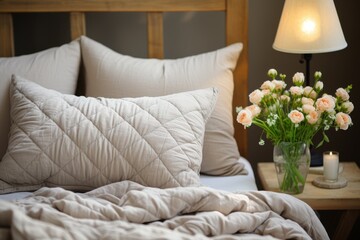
(317, 75)
(266, 92)
(331, 113)
(349, 106)
(279, 84)
(272, 73)
(256, 96)
(310, 92)
(305, 100)
(342, 94)
(254, 109)
(285, 98)
(319, 86)
(298, 79)
(308, 108)
(267, 85)
(295, 90)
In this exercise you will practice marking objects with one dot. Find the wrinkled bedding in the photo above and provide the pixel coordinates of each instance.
(132, 211)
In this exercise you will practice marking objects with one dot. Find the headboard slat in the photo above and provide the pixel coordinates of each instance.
(6, 35)
(155, 35)
(236, 31)
(77, 24)
(110, 5)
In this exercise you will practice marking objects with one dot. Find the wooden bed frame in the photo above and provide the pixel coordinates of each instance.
(236, 30)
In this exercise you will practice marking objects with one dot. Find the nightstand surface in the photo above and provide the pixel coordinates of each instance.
(320, 198)
(346, 199)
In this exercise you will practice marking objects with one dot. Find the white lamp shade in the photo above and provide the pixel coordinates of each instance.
(309, 26)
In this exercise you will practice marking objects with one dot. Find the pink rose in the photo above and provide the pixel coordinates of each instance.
(305, 100)
(325, 103)
(266, 91)
(254, 109)
(342, 94)
(310, 92)
(267, 85)
(279, 84)
(312, 117)
(294, 90)
(256, 96)
(285, 98)
(244, 117)
(296, 116)
(343, 120)
(307, 108)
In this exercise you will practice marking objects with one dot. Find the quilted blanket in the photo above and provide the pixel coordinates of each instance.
(127, 210)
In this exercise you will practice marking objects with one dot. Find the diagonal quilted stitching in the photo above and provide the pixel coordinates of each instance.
(60, 136)
(187, 112)
(143, 136)
(44, 150)
(94, 124)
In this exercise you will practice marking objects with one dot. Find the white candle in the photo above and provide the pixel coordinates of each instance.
(331, 166)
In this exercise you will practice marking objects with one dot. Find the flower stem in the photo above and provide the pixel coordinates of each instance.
(293, 160)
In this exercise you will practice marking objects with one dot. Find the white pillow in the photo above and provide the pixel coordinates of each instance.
(110, 74)
(55, 68)
(82, 143)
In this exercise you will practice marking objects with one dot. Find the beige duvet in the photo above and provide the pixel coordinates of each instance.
(127, 210)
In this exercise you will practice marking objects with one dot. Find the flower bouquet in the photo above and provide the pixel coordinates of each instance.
(292, 116)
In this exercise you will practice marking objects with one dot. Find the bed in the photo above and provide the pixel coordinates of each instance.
(97, 143)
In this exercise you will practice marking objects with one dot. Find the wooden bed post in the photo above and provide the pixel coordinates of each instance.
(155, 35)
(77, 24)
(236, 31)
(6, 35)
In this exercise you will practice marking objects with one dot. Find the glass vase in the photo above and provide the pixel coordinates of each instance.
(292, 162)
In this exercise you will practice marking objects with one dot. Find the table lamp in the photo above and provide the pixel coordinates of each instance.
(307, 27)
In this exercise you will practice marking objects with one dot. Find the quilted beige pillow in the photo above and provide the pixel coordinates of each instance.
(82, 143)
(110, 74)
(56, 68)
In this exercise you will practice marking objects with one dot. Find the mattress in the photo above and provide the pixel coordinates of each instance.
(237, 183)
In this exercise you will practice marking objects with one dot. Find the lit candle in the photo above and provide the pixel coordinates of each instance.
(331, 166)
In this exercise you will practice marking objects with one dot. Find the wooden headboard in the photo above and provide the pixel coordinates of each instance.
(236, 12)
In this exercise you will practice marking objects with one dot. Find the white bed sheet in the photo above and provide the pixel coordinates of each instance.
(237, 183)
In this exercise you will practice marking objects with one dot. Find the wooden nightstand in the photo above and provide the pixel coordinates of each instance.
(346, 199)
